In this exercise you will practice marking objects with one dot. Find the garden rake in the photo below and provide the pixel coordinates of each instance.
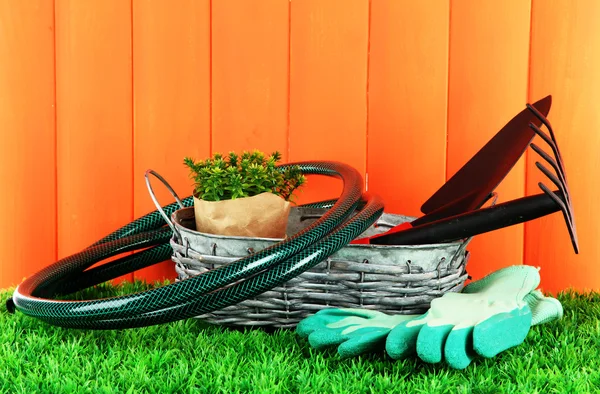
(506, 214)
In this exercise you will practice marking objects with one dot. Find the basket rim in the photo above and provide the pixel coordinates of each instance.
(182, 229)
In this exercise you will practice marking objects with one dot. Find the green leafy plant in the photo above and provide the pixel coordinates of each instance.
(249, 174)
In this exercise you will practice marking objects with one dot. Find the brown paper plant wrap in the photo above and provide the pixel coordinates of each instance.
(245, 195)
(264, 215)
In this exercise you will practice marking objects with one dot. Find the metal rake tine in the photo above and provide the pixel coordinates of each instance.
(553, 146)
(570, 223)
(553, 178)
(550, 140)
(560, 179)
(562, 187)
(554, 165)
(546, 123)
(549, 159)
(556, 199)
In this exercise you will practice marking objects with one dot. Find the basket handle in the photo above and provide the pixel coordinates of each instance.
(156, 203)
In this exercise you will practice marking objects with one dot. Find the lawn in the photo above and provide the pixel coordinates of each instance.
(192, 357)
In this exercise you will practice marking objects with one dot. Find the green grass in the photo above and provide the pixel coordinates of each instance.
(189, 357)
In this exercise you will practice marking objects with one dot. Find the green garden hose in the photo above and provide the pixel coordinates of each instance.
(203, 293)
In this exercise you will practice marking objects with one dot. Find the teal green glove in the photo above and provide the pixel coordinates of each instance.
(355, 331)
(489, 316)
(484, 315)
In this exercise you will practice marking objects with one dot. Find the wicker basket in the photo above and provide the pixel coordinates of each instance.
(391, 279)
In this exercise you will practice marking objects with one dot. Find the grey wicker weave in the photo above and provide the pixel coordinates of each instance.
(391, 279)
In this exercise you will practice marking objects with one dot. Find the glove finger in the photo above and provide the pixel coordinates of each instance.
(458, 350)
(430, 342)
(543, 309)
(310, 324)
(324, 338)
(363, 343)
(401, 342)
(501, 332)
(322, 318)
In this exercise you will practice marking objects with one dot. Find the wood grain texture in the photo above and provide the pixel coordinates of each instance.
(328, 87)
(489, 58)
(94, 120)
(27, 135)
(171, 63)
(250, 55)
(93, 93)
(408, 89)
(565, 59)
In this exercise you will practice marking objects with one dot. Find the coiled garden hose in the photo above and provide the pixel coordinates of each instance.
(200, 294)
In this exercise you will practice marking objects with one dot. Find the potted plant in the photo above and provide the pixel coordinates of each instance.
(243, 195)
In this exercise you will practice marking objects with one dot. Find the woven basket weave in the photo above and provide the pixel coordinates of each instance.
(391, 279)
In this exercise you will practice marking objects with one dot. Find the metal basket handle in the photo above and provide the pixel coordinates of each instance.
(156, 203)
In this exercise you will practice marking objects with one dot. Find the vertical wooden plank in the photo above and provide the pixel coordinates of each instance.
(328, 82)
(94, 120)
(250, 54)
(27, 116)
(489, 52)
(408, 90)
(171, 60)
(565, 59)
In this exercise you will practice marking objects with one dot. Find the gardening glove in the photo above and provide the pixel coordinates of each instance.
(489, 316)
(358, 331)
(353, 330)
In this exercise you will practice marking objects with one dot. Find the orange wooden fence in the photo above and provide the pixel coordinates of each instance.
(92, 93)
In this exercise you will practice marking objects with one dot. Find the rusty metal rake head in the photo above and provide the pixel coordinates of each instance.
(562, 196)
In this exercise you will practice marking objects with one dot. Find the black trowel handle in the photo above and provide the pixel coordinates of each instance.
(475, 222)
